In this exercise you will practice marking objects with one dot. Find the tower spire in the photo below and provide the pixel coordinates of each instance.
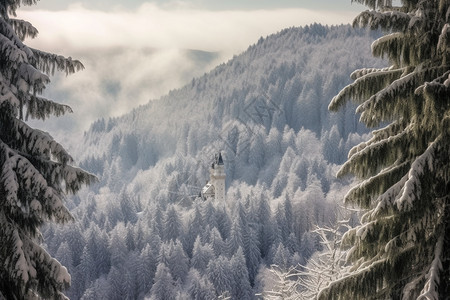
(215, 188)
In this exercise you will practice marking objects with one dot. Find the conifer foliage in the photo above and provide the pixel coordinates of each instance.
(401, 250)
(35, 170)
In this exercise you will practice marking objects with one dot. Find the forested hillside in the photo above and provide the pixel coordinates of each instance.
(142, 232)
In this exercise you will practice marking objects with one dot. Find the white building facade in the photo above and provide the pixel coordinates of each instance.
(215, 188)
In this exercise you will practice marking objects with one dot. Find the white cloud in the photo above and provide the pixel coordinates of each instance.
(134, 56)
(152, 26)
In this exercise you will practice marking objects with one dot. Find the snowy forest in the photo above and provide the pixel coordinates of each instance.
(144, 221)
(289, 228)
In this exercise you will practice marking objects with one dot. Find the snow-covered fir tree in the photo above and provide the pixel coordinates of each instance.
(36, 172)
(401, 250)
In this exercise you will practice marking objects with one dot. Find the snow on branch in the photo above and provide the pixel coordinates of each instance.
(370, 158)
(413, 188)
(389, 20)
(41, 108)
(29, 75)
(387, 103)
(386, 199)
(366, 276)
(29, 261)
(73, 177)
(444, 39)
(430, 288)
(364, 86)
(362, 72)
(9, 33)
(38, 143)
(376, 4)
(378, 135)
(18, 174)
(7, 95)
(49, 62)
(23, 28)
(384, 45)
(365, 192)
(10, 52)
(436, 92)
(13, 5)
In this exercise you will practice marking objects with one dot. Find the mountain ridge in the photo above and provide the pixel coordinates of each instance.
(266, 110)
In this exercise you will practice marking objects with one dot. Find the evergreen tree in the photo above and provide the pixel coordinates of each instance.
(199, 287)
(64, 256)
(241, 288)
(401, 249)
(147, 269)
(36, 171)
(220, 273)
(252, 255)
(282, 257)
(117, 246)
(164, 286)
(236, 238)
(178, 261)
(201, 255)
(266, 226)
(195, 227)
(87, 267)
(216, 242)
(118, 288)
(127, 207)
(132, 278)
(172, 224)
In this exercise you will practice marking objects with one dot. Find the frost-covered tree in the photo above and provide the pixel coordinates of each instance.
(164, 285)
(324, 266)
(199, 287)
(220, 274)
(252, 255)
(241, 288)
(172, 224)
(194, 230)
(147, 269)
(401, 249)
(201, 255)
(36, 172)
(178, 261)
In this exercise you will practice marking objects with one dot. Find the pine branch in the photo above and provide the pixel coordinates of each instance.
(41, 108)
(387, 20)
(364, 87)
(49, 62)
(23, 29)
(7, 30)
(372, 158)
(38, 143)
(365, 193)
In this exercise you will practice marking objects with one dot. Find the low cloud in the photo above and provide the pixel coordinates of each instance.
(132, 57)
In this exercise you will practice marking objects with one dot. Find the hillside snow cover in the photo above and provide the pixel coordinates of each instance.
(142, 230)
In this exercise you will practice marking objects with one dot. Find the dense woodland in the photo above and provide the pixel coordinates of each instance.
(140, 230)
(266, 110)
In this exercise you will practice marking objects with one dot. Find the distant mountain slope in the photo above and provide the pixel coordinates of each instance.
(291, 76)
(266, 110)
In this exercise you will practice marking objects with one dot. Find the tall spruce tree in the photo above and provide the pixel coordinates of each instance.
(35, 171)
(401, 250)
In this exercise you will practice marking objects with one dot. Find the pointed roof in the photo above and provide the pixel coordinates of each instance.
(219, 159)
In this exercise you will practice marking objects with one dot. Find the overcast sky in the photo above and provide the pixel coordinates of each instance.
(135, 51)
(207, 4)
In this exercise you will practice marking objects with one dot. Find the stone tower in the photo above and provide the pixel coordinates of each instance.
(217, 177)
(215, 188)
